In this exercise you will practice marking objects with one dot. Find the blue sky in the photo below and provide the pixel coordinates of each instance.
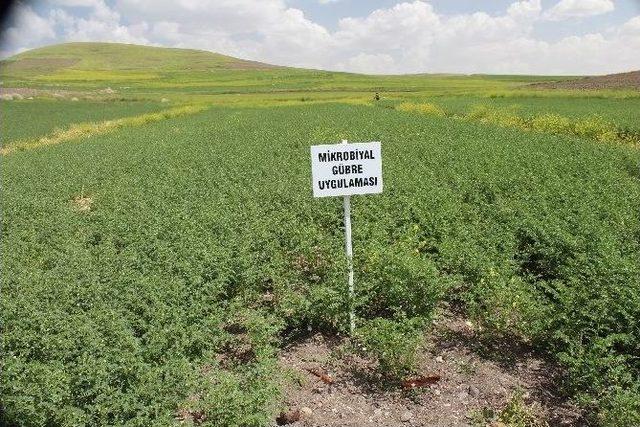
(328, 13)
(376, 36)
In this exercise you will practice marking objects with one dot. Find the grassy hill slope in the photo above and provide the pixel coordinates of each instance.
(145, 68)
(119, 57)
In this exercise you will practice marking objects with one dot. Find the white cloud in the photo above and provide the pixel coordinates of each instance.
(74, 3)
(525, 9)
(369, 63)
(28, 29)
(409, 37)
(567, 9)
(101, 24)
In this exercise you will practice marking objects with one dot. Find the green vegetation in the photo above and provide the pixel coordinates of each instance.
(592, 127)
(38, 117)
(515, 414)
(146, 70)
(152, 272)
(616, 108)
(78, 131)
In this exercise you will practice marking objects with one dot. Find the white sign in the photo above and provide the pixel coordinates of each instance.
(346, 169)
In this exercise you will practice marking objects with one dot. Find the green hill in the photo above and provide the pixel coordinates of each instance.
(120, 57)
(81, 66)
(134, 70)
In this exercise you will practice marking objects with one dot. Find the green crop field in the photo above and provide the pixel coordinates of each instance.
(34, 118)
(162, 265)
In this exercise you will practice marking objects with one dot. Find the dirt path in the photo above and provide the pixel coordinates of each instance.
(477, 382)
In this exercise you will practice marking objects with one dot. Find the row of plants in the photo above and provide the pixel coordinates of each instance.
(591, 127)
(198, 250)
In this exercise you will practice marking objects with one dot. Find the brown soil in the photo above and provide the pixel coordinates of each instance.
(476, 377)
(38, 65)
(97, 94)
(629, 80)
(26, 92)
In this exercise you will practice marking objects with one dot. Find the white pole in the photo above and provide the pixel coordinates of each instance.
(349, 250)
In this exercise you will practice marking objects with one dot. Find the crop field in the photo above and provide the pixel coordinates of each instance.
(623, 112)
(155, 273)
(34, 118)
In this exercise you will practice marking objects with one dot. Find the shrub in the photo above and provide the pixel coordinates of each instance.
(393, 343)
(596, 127)
(620, 408)
(397, 282)
(551, 123)
(518, 414)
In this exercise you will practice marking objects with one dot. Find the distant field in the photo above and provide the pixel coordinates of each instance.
(37, 117)
(622, 112)
(137, 69)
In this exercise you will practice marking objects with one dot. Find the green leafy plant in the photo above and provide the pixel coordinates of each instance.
(393, 343)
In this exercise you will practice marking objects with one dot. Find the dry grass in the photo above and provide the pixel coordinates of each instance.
(85, 130)
(82, 203)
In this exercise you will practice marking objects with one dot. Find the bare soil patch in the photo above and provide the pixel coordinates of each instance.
(477, 380)
(27, 92)
(38, 65)
(629, 80)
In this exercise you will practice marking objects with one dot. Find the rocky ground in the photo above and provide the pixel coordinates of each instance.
(470, 382)
(8, 93)
(629, 80)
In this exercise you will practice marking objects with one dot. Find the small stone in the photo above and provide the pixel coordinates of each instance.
(406, 416)
(474, 391)
(501, 391)
(437, 392)
(306, 412)
(377, 412)
(164, 100)
(318, 390)
(439, 359)
(74, 99)
(463, 395)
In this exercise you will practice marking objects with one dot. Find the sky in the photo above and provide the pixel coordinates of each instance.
(552, 37)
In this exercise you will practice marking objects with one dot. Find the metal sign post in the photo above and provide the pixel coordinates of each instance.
(344, 170)
(346, 203)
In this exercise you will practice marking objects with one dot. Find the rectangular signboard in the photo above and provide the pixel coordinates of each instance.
(346, 169)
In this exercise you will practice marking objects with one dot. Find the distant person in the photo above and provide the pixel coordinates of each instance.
(376, 97)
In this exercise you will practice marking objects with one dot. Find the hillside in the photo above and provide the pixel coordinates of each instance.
(630, 80)
(120, 57)
(140, 69)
